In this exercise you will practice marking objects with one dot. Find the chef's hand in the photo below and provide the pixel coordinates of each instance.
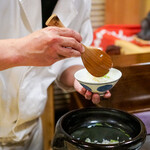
(51, 44)
(41, 48)
(89, 95)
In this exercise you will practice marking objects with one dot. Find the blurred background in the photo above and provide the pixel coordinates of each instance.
(106, 12)
(118, 12)
(116, 27)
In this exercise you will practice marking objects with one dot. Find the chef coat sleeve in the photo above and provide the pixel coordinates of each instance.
(66, 64)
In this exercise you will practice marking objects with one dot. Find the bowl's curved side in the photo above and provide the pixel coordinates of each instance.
(81, 117)
(82, 75)
(97, 87)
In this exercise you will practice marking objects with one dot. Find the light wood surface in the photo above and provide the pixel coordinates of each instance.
(48, 119)
(125, 11)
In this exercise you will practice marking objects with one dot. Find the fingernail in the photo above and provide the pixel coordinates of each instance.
(83, 49)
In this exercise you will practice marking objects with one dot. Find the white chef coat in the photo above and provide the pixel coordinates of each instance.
(23, 90)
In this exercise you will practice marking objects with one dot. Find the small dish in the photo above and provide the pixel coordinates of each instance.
(98, 84)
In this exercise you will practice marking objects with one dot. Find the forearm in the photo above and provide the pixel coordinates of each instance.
(41, 48)
(9, 56)
(67, 77)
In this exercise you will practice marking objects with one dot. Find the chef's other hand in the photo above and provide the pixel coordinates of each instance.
(89, 95)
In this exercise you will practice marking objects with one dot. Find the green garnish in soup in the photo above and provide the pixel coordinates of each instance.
(101, 133)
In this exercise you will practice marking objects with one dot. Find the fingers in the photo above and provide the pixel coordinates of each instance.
(69, 41)
(66, 32)
(69, 47)
(79, 88)
(107, 94)
(88, 95)
(96, 98)
(72, 43)
(68, 52)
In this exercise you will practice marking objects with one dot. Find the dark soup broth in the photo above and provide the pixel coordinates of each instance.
(101, 133)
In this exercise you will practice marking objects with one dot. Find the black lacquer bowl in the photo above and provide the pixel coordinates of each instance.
(81, 129)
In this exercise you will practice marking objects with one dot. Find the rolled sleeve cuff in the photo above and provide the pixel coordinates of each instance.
(68, 63)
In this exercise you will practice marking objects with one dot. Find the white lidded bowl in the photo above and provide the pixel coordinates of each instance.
(98, 84)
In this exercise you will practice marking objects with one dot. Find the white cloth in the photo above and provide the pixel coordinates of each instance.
(23, 89)
(34, 142)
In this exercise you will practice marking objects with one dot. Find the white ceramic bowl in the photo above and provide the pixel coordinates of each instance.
(98, 84)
